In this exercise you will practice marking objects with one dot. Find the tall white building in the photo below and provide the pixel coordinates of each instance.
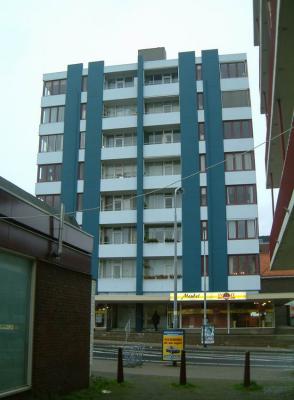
(115, 143)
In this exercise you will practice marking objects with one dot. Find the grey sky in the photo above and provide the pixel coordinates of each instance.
(39, 36)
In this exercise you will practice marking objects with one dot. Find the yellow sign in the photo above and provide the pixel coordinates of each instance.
(172, 344)
(209, 296)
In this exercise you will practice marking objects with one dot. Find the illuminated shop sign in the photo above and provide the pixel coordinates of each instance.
(209, 296)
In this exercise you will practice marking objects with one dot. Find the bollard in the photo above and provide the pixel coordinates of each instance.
(183, 379)
(247, 369)
(120, 369)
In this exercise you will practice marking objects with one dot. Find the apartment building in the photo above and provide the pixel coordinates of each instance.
(274, 34)
(116, 142)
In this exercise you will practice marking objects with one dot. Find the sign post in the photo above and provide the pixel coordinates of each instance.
(172, 344)
(207, 334)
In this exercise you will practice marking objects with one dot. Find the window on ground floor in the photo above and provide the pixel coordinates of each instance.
(15, 321)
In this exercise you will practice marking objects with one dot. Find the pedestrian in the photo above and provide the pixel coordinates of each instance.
(155, 319)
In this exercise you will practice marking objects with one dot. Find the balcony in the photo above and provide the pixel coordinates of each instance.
(125, 121)
(118, 153)
(162, 150)
(160, 285)
(121, 217)
(112, 285)
(117, 250)
(120, 93)
(118, 184)
(246, 246)
(155, 182)
(161, 215)
(161, 249)
(167, 118)
(161, 90)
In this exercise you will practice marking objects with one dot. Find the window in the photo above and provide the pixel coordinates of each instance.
(206, 265)
(119, 110)
(48, 143)
(159, 107)
(84, 83)
(158, 79)
(201, 131)
(246, 264)
(198, 72)
(49, 173)
(83, 111)
(118, 82)
(118, 202)
(203, 196)
(233, 70)
(241, 194)
(119, 140)
(242, 229)
(56, 87)
(52, 114)
(117, 268)
(15, 317)
(118, 235)
(236, 98)
(82, 140)
(200, 103)
(202, 162)
(204, 230)
(237, 129)
(81, 167)
(239, 161)
(79, 205)
(162, 200)
(164, 136)
(118, 170)
(161, 234)
(161, 268)
(159, 168)
(53, 200)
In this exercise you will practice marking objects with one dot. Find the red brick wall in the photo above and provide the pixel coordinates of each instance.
(61, 329)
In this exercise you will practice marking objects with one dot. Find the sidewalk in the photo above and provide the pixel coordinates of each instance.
(108, 368)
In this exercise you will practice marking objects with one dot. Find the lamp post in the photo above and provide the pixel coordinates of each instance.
(175, 311)
(204, 237)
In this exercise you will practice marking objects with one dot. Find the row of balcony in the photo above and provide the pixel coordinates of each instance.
(156, 119)
(155, 90)
(235, 283)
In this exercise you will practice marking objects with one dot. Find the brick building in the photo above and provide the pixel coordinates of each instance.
(45, 300)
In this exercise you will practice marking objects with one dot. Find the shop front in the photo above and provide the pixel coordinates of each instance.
(228, 311)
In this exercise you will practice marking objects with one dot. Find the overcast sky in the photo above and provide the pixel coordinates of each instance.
(39, 36)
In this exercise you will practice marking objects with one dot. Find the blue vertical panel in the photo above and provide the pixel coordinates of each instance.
(190, 164)
(92, 172)
(71, 137)
(140, 172)
(216, 191)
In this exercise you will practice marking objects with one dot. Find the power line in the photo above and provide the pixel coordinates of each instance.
(158, 189)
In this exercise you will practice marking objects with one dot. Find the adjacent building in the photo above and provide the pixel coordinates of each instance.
(45, 293)
(115, 144)
(274, 34)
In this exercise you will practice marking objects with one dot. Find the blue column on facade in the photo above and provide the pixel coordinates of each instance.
(71, 137)
(191, 245)
(216, 190)
(140, 175)
(92, 168)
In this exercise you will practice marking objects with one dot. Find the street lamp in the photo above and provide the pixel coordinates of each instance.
(175, 313)
(204, 237)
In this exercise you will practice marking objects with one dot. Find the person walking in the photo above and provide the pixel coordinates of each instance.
(155, 320)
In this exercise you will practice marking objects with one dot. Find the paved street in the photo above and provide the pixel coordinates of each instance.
(283, 360)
